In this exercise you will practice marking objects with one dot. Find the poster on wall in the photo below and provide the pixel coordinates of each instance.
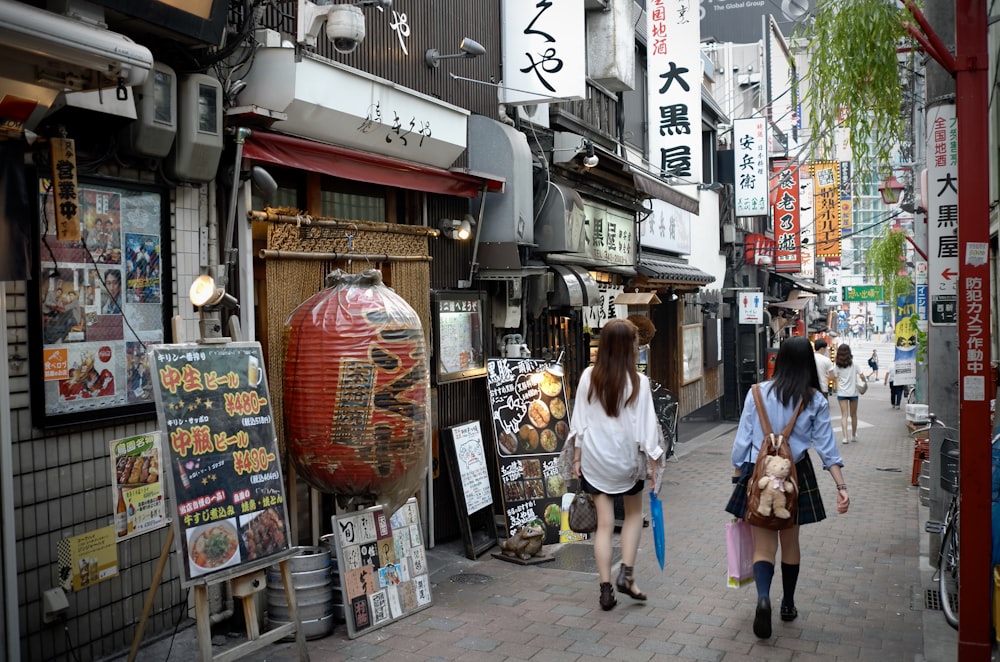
(137, 488)
(382, 565)
(87, 559)
(221, 454)
(92, 317)
(530, 425)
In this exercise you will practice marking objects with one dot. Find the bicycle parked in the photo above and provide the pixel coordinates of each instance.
(665, 404)
(947, 567)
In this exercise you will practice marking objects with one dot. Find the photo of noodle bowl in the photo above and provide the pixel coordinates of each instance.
(212, 547)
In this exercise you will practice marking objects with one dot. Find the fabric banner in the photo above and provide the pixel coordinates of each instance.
(905, 341)
(826, 200)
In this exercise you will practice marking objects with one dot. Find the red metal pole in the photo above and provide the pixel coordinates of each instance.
(943, 57)
(972, 107)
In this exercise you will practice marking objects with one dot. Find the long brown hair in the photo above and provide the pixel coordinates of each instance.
(844, 356)
(616, 357)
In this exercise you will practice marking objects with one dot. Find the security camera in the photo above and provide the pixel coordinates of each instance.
(345, 28)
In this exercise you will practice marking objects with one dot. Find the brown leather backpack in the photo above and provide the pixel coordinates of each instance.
(772, 444)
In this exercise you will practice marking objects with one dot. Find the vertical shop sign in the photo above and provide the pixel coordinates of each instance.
(942, 198)
(544, 51)
(674, 73)
(807, 224)
(221, 454)
(67, 210)
(530, 424)
(846, 199)
(785, 212)
(826, 201)
(750, 154)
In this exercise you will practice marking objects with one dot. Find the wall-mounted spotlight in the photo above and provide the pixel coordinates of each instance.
(208, 298)
(345, 24)
(590, 160)
(468, 48)
(671, 295)
(454, 228)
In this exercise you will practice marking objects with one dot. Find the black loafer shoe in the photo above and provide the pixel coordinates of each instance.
(762, 619)
(788, 612)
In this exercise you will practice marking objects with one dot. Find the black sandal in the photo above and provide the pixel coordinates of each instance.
(607, 596)
(626, 584)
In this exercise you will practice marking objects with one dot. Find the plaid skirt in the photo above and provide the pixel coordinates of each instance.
(810, 501)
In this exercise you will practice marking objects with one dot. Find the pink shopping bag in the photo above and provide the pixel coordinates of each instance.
(739, 550)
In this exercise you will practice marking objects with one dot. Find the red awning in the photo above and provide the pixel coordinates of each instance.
(366, 167)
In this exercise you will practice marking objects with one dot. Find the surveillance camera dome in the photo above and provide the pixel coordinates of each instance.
(345, 28)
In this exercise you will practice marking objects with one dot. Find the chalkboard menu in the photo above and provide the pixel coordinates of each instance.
(221, 455)
(530, 425)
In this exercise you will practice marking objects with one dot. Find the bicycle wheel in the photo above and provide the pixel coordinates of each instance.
(948, 572)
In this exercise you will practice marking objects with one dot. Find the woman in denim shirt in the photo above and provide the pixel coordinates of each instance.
(795, 379)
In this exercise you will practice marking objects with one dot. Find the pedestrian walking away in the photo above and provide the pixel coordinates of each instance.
(895, 392)
(873, 364)
(615, 439)
(795, 381)
(846, 373)
(823, 365)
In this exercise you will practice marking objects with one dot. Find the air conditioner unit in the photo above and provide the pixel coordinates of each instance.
(65, 53)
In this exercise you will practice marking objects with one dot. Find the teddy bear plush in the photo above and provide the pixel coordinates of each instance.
(775, 487)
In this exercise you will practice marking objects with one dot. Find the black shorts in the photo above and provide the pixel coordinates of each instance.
(590, 489)
(810, 501)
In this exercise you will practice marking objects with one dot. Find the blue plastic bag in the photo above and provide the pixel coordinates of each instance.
(656, 517)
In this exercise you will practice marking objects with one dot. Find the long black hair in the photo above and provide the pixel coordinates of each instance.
(795, 376)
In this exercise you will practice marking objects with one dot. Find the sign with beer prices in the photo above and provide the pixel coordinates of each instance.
(221, 454)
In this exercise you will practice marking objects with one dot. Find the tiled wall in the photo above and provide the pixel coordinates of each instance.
(62, 487)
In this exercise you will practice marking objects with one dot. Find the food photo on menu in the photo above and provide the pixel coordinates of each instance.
(531, 424)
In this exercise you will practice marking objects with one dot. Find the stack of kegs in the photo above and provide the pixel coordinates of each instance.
(313, 580)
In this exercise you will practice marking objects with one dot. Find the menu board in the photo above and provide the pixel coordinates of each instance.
(382, 565)
(221, 454)
(471, 462)
(530, 425)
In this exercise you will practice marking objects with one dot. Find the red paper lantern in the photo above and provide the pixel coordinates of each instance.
(356, 392)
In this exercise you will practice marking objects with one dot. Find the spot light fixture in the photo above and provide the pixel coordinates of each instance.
(590, 160)
(455, 228)
(208, 298)
(556, 369)
(468, 48)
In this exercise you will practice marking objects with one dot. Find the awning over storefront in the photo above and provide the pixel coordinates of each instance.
(803, 283)
(659, 189)
(677, 272)
(356, 165)
(574, 286)
(794, 304)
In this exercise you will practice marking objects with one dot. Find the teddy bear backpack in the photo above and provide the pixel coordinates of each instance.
(773, 445)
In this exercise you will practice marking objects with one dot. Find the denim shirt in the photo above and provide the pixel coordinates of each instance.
(812, 428)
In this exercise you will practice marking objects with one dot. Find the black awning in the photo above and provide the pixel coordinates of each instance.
(678, 272)
(803, 283)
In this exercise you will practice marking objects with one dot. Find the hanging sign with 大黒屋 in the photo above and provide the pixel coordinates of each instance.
(221, 454)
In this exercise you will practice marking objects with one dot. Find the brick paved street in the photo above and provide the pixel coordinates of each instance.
(860, 596)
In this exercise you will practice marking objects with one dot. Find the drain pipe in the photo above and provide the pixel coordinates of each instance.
(8, 552)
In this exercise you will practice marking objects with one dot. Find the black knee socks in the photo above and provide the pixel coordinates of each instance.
(763, 573)
(789, 578)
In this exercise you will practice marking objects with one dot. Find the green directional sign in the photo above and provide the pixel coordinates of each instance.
(863, 293)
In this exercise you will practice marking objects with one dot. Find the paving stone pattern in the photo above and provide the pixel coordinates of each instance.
(859, 592)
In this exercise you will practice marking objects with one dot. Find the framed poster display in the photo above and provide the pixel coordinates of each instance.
(97, 303)
(458, 335)
(221, 455)
(382, 565)
(692, 352)
(530, 425)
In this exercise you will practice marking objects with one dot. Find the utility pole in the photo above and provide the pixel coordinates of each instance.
(969, 67)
